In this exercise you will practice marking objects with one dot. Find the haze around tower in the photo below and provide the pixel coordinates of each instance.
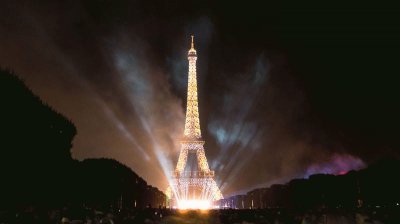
(279, 99)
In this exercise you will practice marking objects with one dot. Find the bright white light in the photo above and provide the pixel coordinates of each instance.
(194, 204)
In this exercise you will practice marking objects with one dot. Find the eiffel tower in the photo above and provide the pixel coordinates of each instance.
(193, 186)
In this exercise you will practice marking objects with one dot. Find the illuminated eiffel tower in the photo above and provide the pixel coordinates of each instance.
(193, 187)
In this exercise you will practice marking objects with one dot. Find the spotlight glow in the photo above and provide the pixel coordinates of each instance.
(194, 204)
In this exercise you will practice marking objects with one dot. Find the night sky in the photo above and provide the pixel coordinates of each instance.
(285, 90)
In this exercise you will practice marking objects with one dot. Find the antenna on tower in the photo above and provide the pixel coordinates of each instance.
(192, 42)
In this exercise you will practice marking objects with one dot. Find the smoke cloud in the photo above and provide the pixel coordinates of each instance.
(118, 70)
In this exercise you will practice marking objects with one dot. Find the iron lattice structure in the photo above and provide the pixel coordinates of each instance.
(184, 183)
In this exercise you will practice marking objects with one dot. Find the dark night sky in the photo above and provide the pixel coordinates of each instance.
(285, 90)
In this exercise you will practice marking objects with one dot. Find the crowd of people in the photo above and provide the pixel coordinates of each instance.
(81, 215)
(85, 215)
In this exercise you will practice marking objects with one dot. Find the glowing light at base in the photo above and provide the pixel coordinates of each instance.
(194, 204)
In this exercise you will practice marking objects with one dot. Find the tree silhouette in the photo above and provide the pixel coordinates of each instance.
(377, 185)
(36, 165)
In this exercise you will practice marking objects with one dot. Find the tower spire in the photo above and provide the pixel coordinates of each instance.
(192, 123)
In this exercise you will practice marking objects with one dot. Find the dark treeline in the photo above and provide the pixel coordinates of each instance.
(36, 167)
(376, 186)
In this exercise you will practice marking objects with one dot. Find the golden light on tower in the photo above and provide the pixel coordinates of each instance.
(193, 189)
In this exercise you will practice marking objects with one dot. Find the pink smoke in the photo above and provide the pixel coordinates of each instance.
(338, 164)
